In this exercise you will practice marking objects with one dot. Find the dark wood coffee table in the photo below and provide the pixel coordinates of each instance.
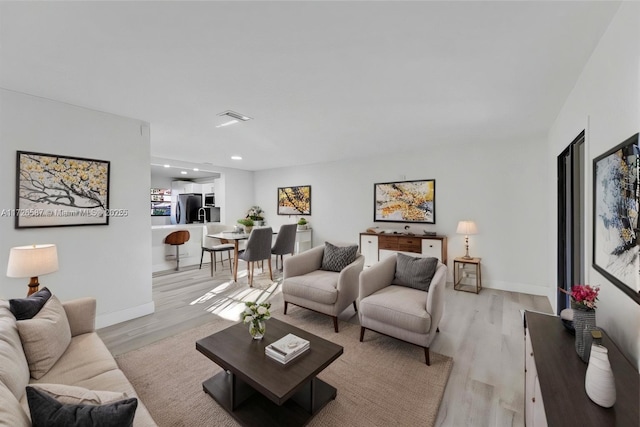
(257, 390)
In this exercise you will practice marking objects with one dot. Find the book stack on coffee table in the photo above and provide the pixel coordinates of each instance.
(287, 348)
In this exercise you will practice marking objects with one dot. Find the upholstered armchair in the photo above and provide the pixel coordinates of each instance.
(403, 311)
(328, 291)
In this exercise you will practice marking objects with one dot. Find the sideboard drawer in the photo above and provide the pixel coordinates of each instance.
(410, 245)
(388, 242)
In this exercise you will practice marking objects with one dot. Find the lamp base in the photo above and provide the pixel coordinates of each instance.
(33, 285)
(467, 257)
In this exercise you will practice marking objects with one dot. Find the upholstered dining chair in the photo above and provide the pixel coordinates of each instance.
(258, 248)
(214, 246)
(285, 242)
(323, 279)
(403, 297)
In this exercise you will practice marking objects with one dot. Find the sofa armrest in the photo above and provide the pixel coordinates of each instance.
(303, 263)
(81, 313)
(378, 276)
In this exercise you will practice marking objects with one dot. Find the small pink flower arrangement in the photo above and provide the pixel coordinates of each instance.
(583, 296)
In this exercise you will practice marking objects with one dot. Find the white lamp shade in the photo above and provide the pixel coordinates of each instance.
(467, 227)
(32, 261)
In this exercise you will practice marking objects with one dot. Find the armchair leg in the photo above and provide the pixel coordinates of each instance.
(251, 274)
(355, 307)
(286, 304)
(335, 323)
(426, 356)
(270, 272)
(438, 329)
(201, 256)
(212, 255)
(361, 333)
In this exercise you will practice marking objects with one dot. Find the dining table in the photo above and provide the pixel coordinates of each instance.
(230, 236)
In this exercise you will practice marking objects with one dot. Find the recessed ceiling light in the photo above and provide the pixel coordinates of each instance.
(183, 172)
(196, 169)
(236, 158)
(167, 166)
(230, 122)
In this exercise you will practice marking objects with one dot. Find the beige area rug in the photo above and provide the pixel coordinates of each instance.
(380, 382)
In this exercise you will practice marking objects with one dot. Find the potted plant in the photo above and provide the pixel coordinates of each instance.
(247, 223)
(302, 224)
(256, 214)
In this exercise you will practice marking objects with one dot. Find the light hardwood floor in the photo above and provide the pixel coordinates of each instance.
(483, 333)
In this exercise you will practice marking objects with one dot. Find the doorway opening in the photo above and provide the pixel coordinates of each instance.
(571, 211)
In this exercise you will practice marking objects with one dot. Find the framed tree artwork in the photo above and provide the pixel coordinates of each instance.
(616, 200)
(56, 191)
(294, 200)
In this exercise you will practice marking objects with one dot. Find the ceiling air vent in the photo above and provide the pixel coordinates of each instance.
(234, 115)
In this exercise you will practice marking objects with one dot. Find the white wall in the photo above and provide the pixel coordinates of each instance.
(501, 186)
(113, 262)
(606, 103)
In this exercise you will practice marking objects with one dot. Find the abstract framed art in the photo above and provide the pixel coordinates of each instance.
(405, 201)
(294, 200)
(57, 191)
(616, 199)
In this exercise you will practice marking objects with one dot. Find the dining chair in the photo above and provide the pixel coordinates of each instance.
(258, 248)
(213, 246)
(285, 242)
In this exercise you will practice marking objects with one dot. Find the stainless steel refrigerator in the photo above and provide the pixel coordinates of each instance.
(187, 206)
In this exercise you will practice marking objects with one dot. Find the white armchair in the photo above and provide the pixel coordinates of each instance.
(306, 285)
(402, 312)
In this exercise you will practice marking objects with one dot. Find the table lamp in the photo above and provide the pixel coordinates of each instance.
(32, 261)
(466, 228)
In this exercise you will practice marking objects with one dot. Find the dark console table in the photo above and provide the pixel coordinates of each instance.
(561, 375)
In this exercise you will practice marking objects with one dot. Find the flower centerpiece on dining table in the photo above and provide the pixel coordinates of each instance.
(256, 214)
(255, 314)
(583, 303)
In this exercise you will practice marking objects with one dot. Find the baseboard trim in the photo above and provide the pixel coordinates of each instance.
(517, 287)
(108, 319)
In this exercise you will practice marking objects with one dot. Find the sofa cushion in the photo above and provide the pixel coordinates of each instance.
(11, 413)
(85, 358)
(400, 306)
(336, 258)
(45, 337)
(48, 412)
(26, 308)
(14, 369)
(319, 286)
(415, 272)
(69, 394)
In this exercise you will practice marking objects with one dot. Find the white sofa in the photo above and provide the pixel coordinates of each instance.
(86, 363)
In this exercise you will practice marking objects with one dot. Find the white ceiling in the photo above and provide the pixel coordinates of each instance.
(322, 80)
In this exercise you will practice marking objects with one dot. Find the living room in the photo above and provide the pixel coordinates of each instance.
(507, 187)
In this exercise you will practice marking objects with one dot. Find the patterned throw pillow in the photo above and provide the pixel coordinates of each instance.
(415, 272)
(48, 412)
(26, 308)
(336, 258)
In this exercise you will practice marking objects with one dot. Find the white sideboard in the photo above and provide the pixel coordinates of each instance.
(375, 247)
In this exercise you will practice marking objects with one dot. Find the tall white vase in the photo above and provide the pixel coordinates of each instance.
(599, 382)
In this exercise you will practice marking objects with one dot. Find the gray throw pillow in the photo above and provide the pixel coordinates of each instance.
(48, 412)
(336, 258)
(26, 308)
(415, 272)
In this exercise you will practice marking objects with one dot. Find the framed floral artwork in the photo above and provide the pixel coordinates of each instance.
(56, 191)
(294, 200)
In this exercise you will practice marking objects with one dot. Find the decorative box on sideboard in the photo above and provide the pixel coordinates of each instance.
(375, 247)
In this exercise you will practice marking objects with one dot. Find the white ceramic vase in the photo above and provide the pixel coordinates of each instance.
(599, 382)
